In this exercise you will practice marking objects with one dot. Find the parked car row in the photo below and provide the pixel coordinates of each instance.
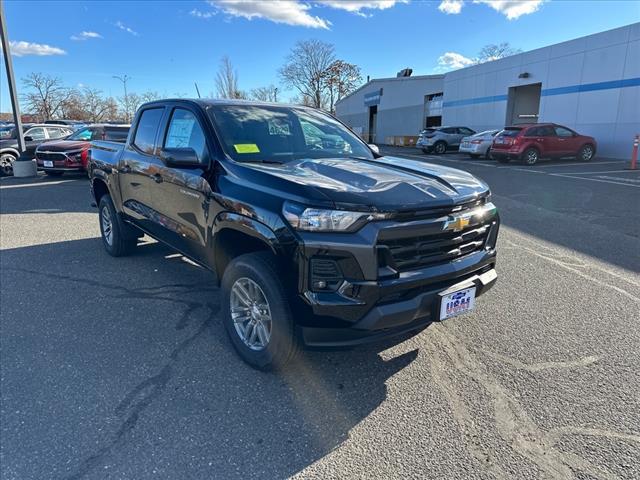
(526, 142)
(57, 145)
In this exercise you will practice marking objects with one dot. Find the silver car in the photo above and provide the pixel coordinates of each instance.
(440, 139)
(478, 145)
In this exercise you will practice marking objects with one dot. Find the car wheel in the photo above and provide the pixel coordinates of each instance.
(440, 148)
(531, 156)
(586, 153)
(487, 155)
(256, 312)
(118, 238)
(6, 164)
(53, 174)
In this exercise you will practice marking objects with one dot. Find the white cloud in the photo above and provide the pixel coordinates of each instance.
(85, 36)
(124, 28)
(290, 12)
(23, 49)
(453, 61)
(200, 14)
(513, 9)
(451, 7)
(357, 6)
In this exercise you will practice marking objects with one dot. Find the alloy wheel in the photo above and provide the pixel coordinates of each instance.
(587, 153)
(107, 225)
(532, 157)
(250, 313)
(6, 165)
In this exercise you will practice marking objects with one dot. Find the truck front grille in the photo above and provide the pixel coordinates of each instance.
(427, 250)
(54, 156)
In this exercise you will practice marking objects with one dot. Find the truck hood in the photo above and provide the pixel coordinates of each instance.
(63, 145)
(383, 184)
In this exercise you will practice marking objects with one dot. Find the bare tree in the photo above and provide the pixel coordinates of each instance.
(304, 69)
(45, 96)
(494, 51)
(129, 105)
(149, 96)
(227, 80)
(96, 107)
(265, 94)
(340, 79)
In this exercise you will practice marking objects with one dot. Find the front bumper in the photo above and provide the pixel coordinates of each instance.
(395, 319)
(377, 299)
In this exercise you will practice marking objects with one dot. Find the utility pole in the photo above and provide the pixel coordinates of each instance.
(23, 167)
(124, 79)
(275, 95)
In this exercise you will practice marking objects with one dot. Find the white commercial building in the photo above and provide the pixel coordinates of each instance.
(590, 84)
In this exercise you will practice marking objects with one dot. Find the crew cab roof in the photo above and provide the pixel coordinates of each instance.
(206, 102)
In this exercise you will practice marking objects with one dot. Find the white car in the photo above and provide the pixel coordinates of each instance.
(479, 144)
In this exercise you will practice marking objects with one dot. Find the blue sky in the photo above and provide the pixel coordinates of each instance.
(167, 46)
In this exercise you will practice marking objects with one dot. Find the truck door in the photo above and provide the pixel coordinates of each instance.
(182, 198)
(139, 169)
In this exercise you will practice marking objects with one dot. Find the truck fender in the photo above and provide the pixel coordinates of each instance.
(12, 151)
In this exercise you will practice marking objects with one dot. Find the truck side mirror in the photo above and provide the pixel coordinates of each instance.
(374, 148)
(28, 138)
(185, 157)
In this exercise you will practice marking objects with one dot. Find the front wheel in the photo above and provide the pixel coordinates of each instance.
(531, 156)
(6, 164)
(118, 238)
(256, 312)
(586, 153)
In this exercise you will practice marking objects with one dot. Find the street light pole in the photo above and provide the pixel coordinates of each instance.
(8, 64)
(124, 79)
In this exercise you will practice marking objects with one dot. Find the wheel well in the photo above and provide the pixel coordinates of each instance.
(230, 244)
(99, 189)
(10, 152)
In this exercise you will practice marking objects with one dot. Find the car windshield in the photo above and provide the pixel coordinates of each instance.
(278, 134)
(85, 134)
(510, 132)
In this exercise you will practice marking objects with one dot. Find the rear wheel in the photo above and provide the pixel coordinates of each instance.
(440, 148)
(256, 312)
(53, 174)
(531, 156)
(6, 163)
(586, 153)
(119, 239)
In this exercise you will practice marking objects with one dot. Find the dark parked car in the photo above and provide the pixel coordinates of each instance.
(531, 142)
(34, 135)
(440, 139)
(314, 243)
(70, 154)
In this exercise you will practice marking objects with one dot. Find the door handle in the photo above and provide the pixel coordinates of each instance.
(156, 177)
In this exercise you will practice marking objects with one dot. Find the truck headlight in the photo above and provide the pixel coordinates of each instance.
(321, 220)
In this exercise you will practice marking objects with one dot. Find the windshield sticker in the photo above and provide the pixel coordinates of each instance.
(246, 148)
(279, 126)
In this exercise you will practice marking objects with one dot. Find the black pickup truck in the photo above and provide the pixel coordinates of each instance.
(315, 238)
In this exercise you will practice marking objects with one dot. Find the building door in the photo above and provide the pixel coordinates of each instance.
(523, 104)
(373, 116)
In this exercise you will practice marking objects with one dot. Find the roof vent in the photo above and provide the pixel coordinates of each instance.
(405, 73)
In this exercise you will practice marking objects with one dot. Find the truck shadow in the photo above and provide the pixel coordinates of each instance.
(141, 341)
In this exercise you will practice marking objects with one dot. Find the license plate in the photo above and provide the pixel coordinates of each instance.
(48, 163)
(457, 303)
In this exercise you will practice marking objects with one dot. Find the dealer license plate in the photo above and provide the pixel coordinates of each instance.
(457, 303)
(48, 163)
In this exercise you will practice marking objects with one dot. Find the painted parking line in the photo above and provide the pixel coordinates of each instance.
(25, 185)
(574, 164)
(600, 171)
(612, 182)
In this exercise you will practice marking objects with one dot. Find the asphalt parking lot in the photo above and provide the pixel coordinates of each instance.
(120, 368)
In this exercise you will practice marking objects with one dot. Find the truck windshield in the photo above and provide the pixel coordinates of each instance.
(251, 133)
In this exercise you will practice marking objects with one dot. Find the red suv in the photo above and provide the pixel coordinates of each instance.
(530, 142)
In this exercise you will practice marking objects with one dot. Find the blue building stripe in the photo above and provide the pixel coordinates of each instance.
(587, 87)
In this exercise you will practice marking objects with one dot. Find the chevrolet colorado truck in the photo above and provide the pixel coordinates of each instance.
(315, 238)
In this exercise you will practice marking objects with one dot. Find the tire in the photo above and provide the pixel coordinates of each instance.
(53, 174)
(487, 154)
(530, 156)
(586, 153)
(255, 277)
(439, 148)
(6, 164)
(118, 238)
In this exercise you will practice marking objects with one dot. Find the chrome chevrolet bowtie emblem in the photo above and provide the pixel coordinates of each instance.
(456, 223)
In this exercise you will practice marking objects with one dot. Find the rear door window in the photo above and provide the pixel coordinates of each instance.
(145, 138)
